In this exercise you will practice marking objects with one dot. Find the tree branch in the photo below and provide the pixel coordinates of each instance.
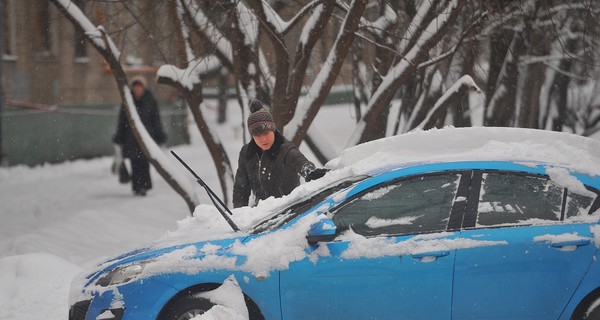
(108, 51)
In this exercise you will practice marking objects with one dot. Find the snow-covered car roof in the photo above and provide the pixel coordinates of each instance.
(527, 146)
(574, 152)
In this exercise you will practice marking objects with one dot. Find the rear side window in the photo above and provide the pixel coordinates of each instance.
(417, 205)
(506, 199)
(578, 205)
(513, 199)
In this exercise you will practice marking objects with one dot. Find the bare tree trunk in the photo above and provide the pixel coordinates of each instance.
(194, 99)
(428, 95)
(359, 87)
(529, 113)
(499, 50)
(384, 58)
(560, 98)
(404, 69)
(533, 77)
(327, 76)
(501, 109)
(462, 111)
(410, 93)
(453, 99)
(222, 96)
(289, 75)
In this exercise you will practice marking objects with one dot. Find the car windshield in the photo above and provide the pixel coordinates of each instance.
(303, 205)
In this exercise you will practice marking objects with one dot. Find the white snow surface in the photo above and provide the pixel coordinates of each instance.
(59, 220)
(576, 153)
(229, 301)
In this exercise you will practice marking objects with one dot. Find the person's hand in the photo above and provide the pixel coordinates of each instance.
(117, 159)
(316, 174)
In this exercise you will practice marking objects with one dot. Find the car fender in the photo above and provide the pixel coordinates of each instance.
(589, 283)
(137, 306)
(263, 291)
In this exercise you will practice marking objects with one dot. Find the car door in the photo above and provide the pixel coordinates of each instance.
(546, 251)
(389, 260)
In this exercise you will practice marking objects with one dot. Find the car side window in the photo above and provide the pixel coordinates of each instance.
(578, 205)
(510, 199)
(418, 205)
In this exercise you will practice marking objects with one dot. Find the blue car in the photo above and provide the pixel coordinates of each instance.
(503, 225)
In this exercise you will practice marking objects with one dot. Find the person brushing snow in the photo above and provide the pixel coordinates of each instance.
(269, 165)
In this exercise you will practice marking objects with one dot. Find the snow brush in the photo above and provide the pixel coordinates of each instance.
(213, 197)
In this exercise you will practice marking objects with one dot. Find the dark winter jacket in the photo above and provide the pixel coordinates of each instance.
(147, 108)
(274, 172)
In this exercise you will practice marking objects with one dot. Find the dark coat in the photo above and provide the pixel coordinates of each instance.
(275, 172)
(147, 108)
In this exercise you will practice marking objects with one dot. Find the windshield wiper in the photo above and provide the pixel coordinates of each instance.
(213, 197)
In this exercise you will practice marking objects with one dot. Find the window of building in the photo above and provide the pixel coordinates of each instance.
(42, 37)
(9, 22)
(81, 55)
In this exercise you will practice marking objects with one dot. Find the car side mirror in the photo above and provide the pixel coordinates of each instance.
(321, 231)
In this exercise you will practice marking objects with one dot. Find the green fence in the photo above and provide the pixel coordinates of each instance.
(34, 136)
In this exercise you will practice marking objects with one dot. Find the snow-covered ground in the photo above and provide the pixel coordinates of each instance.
(56, 220)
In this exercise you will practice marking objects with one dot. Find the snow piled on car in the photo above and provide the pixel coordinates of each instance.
(363, 247)
(261, 256)
(228, 301)
(276, 250)
(525, 146)
(577, 153)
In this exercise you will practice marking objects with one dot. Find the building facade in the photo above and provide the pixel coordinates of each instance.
(56, 87)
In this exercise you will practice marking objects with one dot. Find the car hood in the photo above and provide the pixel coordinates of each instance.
(258, 254)
(154, 252)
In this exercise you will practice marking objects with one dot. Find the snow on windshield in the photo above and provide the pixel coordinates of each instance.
(377, 194)
(375, 222)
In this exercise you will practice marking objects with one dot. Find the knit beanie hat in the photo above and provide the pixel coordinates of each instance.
(260, 119)
(138, 79)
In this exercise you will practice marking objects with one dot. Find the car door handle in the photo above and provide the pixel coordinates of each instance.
(430, 256)
(571, 243)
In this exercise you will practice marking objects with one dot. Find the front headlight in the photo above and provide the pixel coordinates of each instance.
(122, 274)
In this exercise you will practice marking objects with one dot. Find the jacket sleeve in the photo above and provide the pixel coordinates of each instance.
(298, 162)
(119, 137)
(241, 186)
(155, 129)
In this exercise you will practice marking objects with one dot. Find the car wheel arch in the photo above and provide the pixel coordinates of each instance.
(254, 311)
(583, 306)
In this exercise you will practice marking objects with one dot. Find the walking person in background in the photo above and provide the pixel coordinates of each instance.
(147, 108)
(269, 165)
